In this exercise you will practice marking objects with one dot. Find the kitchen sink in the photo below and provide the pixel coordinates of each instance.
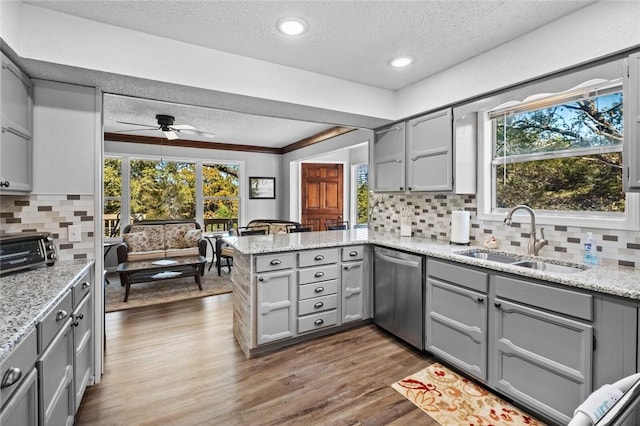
(549, 267)
(493, 256)
(522, 261)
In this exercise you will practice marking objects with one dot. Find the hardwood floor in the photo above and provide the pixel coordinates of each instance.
(178, 364)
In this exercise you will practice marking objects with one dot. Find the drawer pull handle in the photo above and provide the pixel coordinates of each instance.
(353, 253)
(319, 257)
(480, 299)
(85, 284)
(319, 322)
(318, 305)
(319, 274)
(497, 305)
(319, 289)
(61, 314)
(275, 262)
(261, 279)
(11, 377)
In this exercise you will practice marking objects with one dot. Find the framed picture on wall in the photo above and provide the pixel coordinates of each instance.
(262, 187)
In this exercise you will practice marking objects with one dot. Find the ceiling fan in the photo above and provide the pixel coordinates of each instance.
(166, 126)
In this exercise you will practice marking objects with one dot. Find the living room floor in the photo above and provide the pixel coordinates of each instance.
(178, 364)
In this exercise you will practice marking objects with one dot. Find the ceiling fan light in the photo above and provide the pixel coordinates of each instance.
(292, 26)
(171, 135)
(401, 61)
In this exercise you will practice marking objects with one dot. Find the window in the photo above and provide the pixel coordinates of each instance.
(162, 189)
(557, 150)
(112, 197)
(560, 154)
(221, 193)
(360, 203)
(166, 189)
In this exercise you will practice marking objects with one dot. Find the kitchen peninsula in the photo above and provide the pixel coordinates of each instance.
(506, 325)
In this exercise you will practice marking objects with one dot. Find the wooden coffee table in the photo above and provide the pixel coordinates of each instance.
(161, 269)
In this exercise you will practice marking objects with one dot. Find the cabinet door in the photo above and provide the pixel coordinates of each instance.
(430, 152)
(352, 291)
(631, 108)
(388, 158)
(83, 346)
(22, 408)
(456, 326)
(16, 156)
(542, 360)
(275, 296)
(56, 379)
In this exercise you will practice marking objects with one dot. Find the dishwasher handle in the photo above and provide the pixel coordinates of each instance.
(411, 263)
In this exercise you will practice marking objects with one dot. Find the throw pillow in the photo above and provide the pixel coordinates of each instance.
(137, 241)
(155, 234)
(174, 234)
(191, 238)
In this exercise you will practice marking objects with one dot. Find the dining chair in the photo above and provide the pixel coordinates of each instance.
(242, 231)
(306, 227)
(335, 224)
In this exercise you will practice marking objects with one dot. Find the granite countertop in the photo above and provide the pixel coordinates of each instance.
(614, 280)
(26, 297)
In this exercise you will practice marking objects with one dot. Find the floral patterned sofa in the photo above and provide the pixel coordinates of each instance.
(157, 239)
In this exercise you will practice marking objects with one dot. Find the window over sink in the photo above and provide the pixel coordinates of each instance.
(557, 146)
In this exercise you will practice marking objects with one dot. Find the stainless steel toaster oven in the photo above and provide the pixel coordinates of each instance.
(26, 250)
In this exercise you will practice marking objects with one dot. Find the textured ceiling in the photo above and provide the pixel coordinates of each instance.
(350, 40)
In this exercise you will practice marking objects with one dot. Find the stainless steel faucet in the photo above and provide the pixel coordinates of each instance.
(535, 245)
(373, 206)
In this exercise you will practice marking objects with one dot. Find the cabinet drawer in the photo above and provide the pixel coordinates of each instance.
(319, 289)
(459, 275)
(352, 253)
(21, 361)
(565, 302)
(317, 304)
(51, 324)
(275, 262)
(315, 321)
(79, 290)
(321, 273)
(317, 257)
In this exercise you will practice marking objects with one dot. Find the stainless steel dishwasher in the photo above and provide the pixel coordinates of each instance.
(399, 294)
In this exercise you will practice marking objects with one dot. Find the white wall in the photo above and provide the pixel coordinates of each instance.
(66, 126)
(595, 31)
(335, 149)
(252, 164)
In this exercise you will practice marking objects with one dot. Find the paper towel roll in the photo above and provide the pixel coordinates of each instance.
(460, 227)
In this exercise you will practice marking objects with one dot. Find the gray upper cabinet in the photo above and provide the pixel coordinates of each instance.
(16, 143)
(388, 158)
(430, 152)
(416, 155)
(631, 110)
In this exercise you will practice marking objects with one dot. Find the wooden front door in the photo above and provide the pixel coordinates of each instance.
(322, 194)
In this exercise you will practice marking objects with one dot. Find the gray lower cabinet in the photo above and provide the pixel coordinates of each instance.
(19, 384)
(456, 319)
(55, 366)
(82, 317)
(352, 278)
(275, 297)
(317, 289)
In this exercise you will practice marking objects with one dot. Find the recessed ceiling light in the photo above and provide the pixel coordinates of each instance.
(292, 26)
(402, 61)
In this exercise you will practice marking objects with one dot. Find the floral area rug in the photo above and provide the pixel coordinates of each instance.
(165, 291)
(451, 399)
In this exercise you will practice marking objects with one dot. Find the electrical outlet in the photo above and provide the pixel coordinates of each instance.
(75, 232)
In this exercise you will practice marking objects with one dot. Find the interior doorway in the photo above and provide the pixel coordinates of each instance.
(322, 193)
